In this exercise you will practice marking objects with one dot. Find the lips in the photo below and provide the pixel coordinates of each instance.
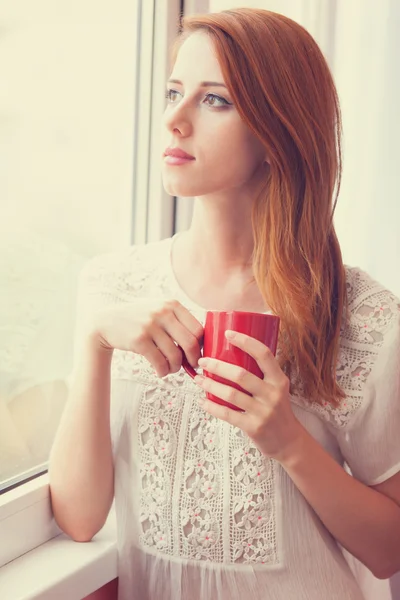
(178, 153)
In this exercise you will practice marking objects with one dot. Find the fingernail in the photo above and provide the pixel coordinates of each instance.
(229, 334)
(199, 379)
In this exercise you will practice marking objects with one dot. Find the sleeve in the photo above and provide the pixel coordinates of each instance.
(92, 294)
(97, 289)
(370, 444)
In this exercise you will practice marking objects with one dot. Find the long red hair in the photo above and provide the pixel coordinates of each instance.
(283, 90)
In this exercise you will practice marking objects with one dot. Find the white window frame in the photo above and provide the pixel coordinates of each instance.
(154, 208)
(47, 564)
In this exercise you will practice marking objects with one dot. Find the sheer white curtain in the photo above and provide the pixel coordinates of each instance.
(365, 66)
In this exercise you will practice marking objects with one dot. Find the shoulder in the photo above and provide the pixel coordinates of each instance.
(373, 311)
(369, 334)
(125, 271)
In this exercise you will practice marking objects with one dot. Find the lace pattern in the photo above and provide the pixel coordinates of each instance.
(206, 492)
(186, 486)
(372, 311)
(126, 274)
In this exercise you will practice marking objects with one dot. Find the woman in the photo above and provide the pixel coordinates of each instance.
(210, 503)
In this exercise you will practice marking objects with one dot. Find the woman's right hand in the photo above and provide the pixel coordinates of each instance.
(151, 328)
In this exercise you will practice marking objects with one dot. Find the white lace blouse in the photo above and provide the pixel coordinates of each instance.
(201, 514)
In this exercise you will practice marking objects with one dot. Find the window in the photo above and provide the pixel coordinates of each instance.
(68, 133)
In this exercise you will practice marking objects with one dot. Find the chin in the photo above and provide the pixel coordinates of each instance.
(185, 185)
(181, 193)
(179, 188)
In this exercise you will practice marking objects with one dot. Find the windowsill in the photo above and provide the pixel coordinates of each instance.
(62, 568)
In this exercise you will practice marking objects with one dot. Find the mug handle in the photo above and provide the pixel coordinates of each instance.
(186, 365)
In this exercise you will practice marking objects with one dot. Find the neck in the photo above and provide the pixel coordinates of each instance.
(213, 259)
(220, 238)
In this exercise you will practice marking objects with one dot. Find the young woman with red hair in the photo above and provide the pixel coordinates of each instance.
(211, 502)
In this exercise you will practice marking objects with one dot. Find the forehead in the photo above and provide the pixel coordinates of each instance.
(197, 51)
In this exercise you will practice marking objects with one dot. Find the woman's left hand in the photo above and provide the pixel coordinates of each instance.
(268, 418)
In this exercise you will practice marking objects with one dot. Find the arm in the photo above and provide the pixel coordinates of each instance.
(363, 520)
(81, 464)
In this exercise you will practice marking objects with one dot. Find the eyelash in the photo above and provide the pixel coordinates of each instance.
(225, 102)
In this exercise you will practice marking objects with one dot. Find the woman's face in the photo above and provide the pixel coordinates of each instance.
(202, 121)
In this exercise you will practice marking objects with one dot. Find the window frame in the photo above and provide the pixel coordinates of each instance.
(154, 208)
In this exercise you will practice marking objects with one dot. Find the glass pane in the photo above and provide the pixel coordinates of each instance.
(67, 76)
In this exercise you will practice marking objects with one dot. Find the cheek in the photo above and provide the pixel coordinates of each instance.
(227, 155)
(235, 157)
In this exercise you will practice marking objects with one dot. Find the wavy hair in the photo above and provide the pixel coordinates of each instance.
(283, 90)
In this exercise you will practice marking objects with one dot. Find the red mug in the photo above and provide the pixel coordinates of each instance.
(263, 327)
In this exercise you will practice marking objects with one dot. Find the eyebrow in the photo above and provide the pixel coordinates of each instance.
(202, 83)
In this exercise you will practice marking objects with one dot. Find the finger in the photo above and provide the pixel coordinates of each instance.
(225, 413)
(246, 380)
(168, 348)
(227, 393)
(151, 353)
(188, 320)
(187, 340)
(259, 351)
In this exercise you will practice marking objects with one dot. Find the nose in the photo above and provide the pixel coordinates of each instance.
(177, 119)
